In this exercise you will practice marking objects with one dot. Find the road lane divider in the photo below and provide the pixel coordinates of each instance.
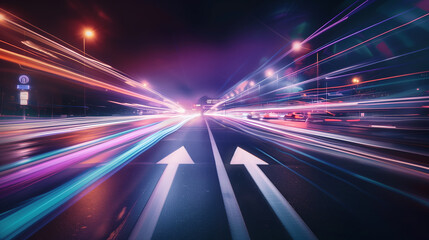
(235, 218)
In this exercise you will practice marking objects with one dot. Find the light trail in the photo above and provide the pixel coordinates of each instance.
(41, 128)
(333, 87)
(138, 106)
(294, 141)
(14, 223)
(49, 68)
(265, 65)
(378, 104)
(60, 152)
(302, 133)
(48, 167)
(51, 64)
(240, 97)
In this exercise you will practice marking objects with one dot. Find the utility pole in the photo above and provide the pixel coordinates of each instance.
(317, 76)
(52, 106)
(2, 102)
(326, 95)
(88, 33)
(84, 87)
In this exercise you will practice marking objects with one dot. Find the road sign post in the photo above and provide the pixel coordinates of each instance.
(24, 95)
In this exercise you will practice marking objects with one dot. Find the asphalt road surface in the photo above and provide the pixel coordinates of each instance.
(215, 178)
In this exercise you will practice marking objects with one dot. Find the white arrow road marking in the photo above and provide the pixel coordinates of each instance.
(146, 224)
(233, 213)
(284, 211)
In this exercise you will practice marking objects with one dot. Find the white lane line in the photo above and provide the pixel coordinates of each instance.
(233, 213)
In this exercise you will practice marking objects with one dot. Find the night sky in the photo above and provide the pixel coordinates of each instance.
(184, 49)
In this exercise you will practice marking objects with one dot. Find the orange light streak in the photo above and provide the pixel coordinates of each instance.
(49, 68)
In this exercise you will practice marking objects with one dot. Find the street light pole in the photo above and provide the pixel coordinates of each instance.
(2, 102)
(297, 46)
(88, 33)
(356, 81)
(84, 87)
(277, 81)
(326, 95)
(52, 107)
(317, 76)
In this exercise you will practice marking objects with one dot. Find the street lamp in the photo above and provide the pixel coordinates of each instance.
(356, 81)
(269, 72)
(297, 46)
(87, 33)
(144, 83)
